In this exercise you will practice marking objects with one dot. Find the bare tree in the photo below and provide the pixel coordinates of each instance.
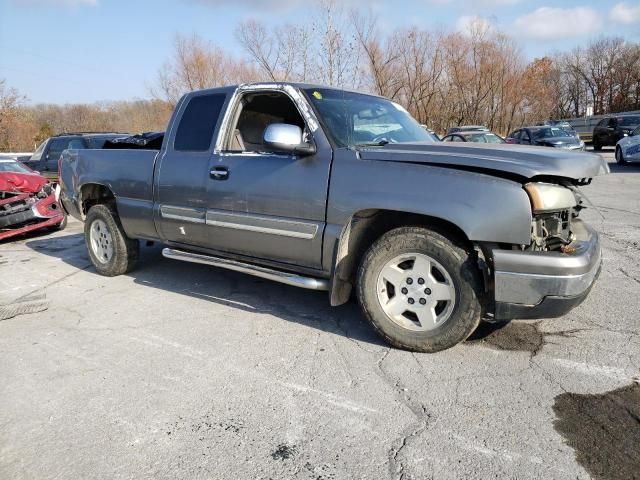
(381, 57)
(281, 54)
(198, 64)
(14, 121)
(337, 49)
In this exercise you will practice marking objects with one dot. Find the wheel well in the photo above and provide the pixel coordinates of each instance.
(95, 194)
(364, 228)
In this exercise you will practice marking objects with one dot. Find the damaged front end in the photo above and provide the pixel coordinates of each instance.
(555, 272)
(27, 204)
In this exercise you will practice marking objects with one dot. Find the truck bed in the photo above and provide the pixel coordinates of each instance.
(126, 173)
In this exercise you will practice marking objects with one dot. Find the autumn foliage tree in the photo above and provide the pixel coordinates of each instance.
(443, 78)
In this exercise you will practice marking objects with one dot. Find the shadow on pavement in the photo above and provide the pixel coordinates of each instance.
(227, 288)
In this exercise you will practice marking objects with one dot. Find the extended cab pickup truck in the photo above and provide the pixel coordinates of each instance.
(333, 190)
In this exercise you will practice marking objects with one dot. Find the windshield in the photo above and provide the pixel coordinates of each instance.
(37, 155)
(353, 119)
(13, 166)
(484, 138)
(629, 121)
(550, 132)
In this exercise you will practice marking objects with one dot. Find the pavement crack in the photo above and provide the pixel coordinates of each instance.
(58, 280)
(628, 275)
(397, 468)
(626, 243)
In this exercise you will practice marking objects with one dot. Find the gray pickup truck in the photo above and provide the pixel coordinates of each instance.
(334, 190)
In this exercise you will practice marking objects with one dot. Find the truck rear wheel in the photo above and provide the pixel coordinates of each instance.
(110, 250)
(420, 290)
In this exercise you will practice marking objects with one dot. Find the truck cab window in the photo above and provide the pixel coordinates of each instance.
(257, 112)
(58, 145)
(198, 123)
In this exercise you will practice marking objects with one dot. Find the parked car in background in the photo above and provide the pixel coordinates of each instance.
(28, 201)
(468, 128)
(545, 137)
(563, 124)
(45, 159)
(473, 136)
(612, 128)
(333, 190)
(628, 148)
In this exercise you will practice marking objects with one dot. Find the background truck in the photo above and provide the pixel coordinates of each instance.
(334, 190)
(45, 159)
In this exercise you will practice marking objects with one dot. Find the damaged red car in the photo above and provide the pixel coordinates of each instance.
(28, 201)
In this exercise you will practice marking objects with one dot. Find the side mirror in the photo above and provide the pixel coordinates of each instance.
(286, 138)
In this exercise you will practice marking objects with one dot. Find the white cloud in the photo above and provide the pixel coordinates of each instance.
(626, 14)
(468, 23)
(56, 3)
(549, 23)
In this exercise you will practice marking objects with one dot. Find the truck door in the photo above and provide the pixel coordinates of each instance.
(261, 203)
(182, 172)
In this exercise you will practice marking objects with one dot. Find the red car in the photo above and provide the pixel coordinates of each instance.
(28, 201)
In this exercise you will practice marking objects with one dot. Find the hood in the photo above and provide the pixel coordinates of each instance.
(21, 182)
(519, 160)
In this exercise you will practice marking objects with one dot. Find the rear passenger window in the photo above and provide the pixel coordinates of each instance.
(56, 148)
(198, 122)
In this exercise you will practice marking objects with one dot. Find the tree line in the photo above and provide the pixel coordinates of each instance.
(444, 78)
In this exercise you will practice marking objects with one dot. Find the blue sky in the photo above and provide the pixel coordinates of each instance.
(66, 51)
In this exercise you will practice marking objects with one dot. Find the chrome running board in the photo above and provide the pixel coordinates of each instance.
(288, 278)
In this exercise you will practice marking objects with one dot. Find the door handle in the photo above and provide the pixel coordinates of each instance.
(219, 173)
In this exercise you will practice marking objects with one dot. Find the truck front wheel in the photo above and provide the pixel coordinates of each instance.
(110, 250)
(420, 290)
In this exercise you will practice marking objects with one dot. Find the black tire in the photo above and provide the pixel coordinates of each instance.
(596, 146)
(125, 249)
(620, 157)
(461, 266)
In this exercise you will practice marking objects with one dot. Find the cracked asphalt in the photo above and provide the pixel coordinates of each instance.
(181, 371)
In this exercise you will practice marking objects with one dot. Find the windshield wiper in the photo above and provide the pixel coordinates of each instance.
(379, 143)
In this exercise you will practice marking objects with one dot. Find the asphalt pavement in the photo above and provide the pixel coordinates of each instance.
(182, 371)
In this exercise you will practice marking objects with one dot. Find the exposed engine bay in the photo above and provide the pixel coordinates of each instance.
(551, 231)
(28, 202)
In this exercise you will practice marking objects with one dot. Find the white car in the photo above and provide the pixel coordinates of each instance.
(628, 148)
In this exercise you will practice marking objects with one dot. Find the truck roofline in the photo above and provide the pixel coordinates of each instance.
(268, 85)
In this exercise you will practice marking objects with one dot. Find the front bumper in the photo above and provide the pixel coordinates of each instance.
(546, 284)
(43, 213)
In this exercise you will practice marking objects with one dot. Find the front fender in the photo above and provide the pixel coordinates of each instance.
(482, 207)
(486, 208)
